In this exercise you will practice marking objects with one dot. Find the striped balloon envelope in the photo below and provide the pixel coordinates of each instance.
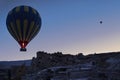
(23, 23)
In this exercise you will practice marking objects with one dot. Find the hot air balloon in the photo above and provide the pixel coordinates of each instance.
(23, 23)
(101, 22)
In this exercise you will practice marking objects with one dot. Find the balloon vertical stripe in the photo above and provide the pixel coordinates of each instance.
(24, 29)
(19, 28)
(34, 33)
(17, 9)
(26, 9)
(30, 29)
(12, 30)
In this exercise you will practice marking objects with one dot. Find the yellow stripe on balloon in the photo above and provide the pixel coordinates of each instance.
(13, 29)
(36, 30)
(19, 28)
(17, 9)
(34, 11)
(26, 8)
(25, 28)
(30, 30)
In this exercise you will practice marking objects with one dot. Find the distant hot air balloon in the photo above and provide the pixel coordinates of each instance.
(101, 22)
(23, 23)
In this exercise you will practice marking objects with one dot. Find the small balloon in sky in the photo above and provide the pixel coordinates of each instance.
(23, 23)
(101, 22)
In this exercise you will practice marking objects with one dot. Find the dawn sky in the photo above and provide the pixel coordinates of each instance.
(68, 26)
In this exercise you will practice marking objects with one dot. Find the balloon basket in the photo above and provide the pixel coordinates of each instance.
(23, 49)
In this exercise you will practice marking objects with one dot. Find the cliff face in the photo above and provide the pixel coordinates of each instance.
(46, 60)
(103, 66)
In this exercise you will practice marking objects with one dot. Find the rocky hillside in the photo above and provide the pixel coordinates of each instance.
(8, 64)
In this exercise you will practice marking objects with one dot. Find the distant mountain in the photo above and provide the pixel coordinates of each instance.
(8, 64)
